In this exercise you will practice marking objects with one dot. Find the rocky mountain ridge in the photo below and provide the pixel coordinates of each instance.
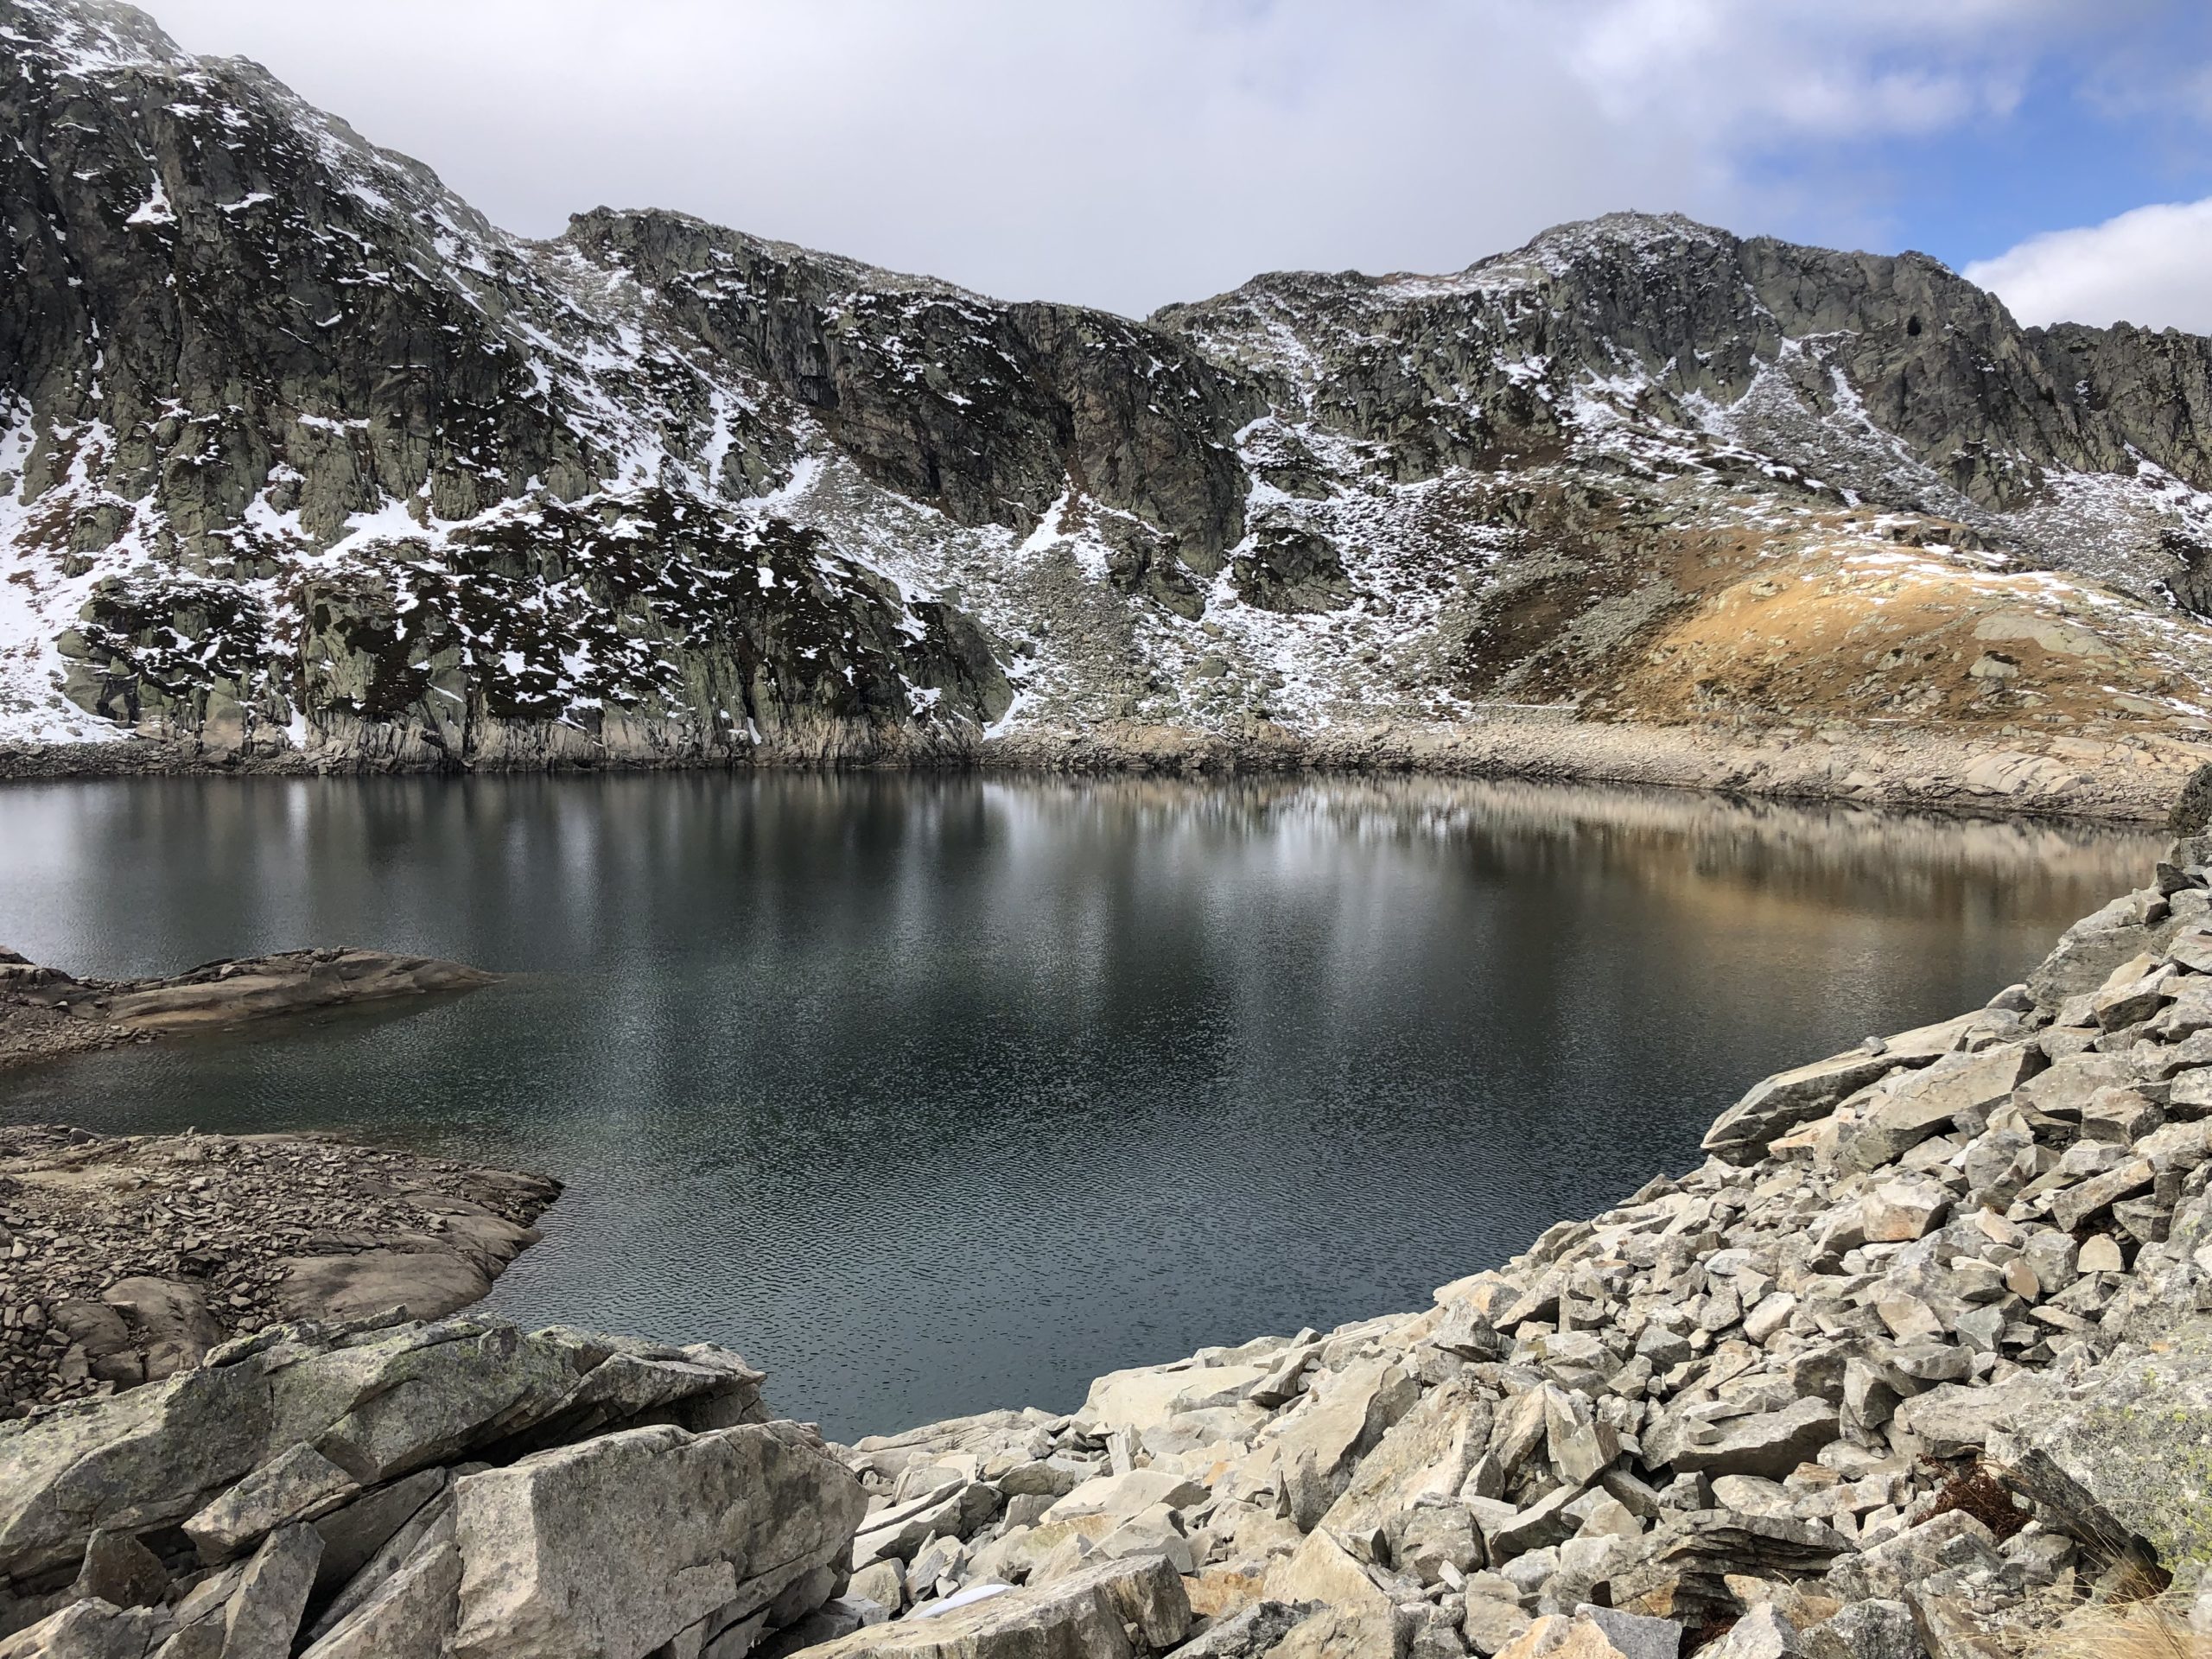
(303, 461)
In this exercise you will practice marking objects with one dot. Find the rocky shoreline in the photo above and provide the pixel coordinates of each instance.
(46, 1014)
(126, 1260)
(1916, 1365)
(2012, 769)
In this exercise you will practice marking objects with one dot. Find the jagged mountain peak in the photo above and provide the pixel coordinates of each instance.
(85, 36)
(1559, 249)
(705, 244)
(1551, 252)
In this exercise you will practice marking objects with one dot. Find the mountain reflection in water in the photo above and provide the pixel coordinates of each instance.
(930, 1094)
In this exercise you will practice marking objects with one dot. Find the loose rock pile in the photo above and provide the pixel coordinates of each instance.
(1919, 1358)
(1902, 1370)
(125, 1260)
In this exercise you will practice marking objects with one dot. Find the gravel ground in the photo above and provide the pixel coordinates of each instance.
(123, 1257)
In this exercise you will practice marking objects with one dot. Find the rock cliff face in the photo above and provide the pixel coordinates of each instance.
(301, 460)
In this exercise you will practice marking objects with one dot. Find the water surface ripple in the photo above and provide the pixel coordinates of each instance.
(933, 1094)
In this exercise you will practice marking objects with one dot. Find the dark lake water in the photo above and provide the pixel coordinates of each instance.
(929, 1094)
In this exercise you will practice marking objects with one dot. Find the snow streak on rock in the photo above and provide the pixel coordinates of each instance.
(298, 452)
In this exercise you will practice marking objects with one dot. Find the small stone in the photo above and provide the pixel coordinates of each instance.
(1557, 1637)
(1767, 1443)
(2100, 1254)
(121, 1571)
(1909, 1319)
(1760, 1633)
(1770, 1317)
(1634, 1636)
(2119, 1115)
(1493, 1623)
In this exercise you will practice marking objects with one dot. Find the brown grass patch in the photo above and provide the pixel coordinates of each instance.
(2141, 1629)
(1982, 1496)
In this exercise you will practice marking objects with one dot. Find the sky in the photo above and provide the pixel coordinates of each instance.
(1131, 153)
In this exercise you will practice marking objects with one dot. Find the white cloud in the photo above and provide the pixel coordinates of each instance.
(1131, 152)
(1767, 69)
(2146, 267)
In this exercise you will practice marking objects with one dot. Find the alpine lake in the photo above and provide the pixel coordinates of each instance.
(928, 1094)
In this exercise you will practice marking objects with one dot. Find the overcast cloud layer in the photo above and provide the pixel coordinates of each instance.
(1128, 153)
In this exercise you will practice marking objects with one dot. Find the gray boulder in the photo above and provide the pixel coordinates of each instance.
(730, 1520)
(1925, 1102)
(298, 1482)
(1880, 1629)
(1634, 1636)
(1952, 1419)
(86, 1629)
(1244, 1635)
(1680, 1571)
(1762, 1633)
(1769, 1443)
(375, 1405)
(168, 1322)
(263, 1614)
(1089, 1614)
(120, 1570)
(2118, 1459)
(1949, 1542)
(415, 1284)
(1789, 1100)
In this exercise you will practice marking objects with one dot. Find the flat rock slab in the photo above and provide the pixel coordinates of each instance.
(735, 1518)
(1789, 1100)
(1092, 1613)
(46, 1014)
(234, 991)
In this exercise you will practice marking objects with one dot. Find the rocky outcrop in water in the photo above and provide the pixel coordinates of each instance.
(45, 1012)
(302, 462)
(1911, 1367)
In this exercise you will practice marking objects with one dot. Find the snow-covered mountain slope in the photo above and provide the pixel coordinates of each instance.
(299, 455)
